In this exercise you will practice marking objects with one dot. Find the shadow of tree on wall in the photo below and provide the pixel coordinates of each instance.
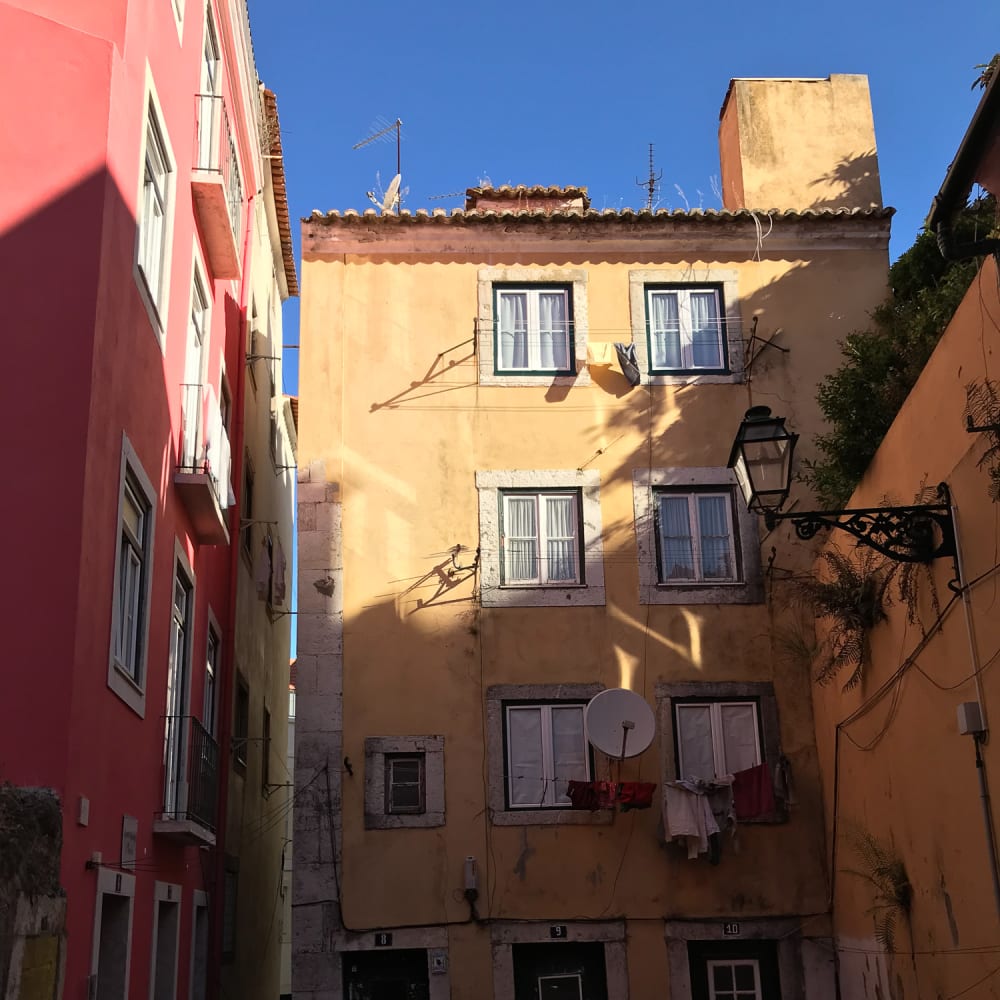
(857, 180)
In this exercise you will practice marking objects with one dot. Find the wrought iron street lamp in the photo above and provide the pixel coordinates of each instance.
(762, 461)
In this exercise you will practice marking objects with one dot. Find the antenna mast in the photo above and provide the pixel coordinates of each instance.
(650, 183)
(396, 126)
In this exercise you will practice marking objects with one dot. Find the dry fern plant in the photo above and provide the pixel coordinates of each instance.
(885, 872)
(982, 409)
(852, 598)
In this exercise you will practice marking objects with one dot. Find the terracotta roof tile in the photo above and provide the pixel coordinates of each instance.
(280, 194)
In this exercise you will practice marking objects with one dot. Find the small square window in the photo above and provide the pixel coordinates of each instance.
(533, 330)
(545, 748)
(686, 327)
(541, 538)
(404, 784)
(694, 537)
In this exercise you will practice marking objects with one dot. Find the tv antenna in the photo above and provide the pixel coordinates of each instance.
(619, 723)
(650, 182)
(392, 193)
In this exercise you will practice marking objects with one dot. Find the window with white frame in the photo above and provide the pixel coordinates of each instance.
(716, 737)
(541, 538)
(154, 210)
(212, 654)
(697, 544)
(694, 536)
(534, 330)
(734, 979)
(686, 328)
(545, 748)
(134, 558)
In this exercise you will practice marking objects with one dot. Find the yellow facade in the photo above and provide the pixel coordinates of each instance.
(403, 640)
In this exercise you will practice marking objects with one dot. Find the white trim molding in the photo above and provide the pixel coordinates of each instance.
(575, 278)
(748, 589)
(495, 594)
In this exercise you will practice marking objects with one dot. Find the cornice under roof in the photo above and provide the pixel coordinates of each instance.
(280, 194)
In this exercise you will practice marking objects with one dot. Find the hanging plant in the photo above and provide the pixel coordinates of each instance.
(852, 599)
(885, 872)
(982, 409)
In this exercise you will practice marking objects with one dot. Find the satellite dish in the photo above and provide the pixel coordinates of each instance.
(619, 723)
(391, 194)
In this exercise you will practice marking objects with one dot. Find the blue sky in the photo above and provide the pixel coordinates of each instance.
(574, 94)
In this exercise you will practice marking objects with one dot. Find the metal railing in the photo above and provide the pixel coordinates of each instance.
(215, 152)
(204, 442)
(191, 771)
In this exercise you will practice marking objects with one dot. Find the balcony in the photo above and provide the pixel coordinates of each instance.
(191, 782)
(216, 186)
(203, 473)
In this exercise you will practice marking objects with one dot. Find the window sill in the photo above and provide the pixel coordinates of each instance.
(123, 684)
(524, 379)
(403, 821)
(710, 593)
(576, 595)
(553, 817)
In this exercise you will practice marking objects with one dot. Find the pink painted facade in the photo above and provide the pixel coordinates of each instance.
(97, 387)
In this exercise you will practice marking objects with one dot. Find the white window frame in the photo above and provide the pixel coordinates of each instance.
(726, 282)
(498, 698)
(696, 537)
(177, 9)
(715, 707)
(574, 280)
(154, 288)
(737, 994)
(494, 590)
(551, 799)
(128, 679)
(210, 693)
(540, 538)
(747, 588)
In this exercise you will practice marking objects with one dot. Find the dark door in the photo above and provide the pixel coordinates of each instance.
(734, 970)
(390, 974)
(565, 970)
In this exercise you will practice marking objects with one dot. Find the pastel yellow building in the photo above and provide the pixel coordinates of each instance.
(497, 523)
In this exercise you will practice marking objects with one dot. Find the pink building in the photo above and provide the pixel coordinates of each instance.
(130, 212)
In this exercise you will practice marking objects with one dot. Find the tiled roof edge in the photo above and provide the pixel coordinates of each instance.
(280, 193)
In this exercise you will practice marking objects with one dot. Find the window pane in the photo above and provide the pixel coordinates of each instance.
(706, 333)
(569, 749)
(665, 330)
(553, 330)
(745, 976)
(405, 771)
(525, 779)
(561, 546)
(520, 539)
(513, 330)
(722, 977)
(717, 561)
(696, 758)
(676, 550)
(739, 736)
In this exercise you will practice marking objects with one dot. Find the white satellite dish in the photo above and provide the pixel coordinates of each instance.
(619, 723)
(391, 194)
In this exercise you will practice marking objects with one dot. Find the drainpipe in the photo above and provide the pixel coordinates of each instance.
(229, 635)
(962, 251)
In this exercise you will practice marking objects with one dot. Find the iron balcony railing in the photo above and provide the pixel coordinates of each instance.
(191, 772)
(215, 152)
(204, 441)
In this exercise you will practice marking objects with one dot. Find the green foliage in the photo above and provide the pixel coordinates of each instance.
(885, 872)
(881, 364)
(988, 69)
